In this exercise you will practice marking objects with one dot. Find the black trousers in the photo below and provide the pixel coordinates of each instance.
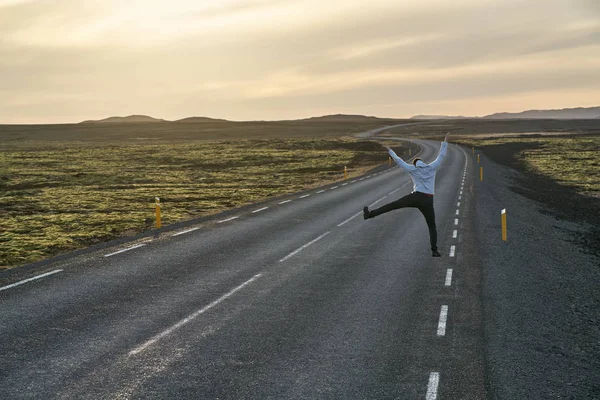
(416, 200)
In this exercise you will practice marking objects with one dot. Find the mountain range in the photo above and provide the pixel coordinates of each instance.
(564, 113)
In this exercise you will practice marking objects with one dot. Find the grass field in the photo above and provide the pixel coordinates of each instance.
(58, 197)
(572, 161)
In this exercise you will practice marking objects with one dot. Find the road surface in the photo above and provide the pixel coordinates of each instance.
(296, 298)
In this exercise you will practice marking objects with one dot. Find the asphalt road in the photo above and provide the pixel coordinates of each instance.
(303, 299)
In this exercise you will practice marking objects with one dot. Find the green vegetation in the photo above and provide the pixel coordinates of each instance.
(57, 197)
(573, 161)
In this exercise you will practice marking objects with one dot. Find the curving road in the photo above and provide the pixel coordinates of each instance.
(295, 298)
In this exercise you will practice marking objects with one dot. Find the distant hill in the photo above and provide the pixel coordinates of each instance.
(439, 117)
(128, 119)
(342, 118)
(565, 113)
(200, 120)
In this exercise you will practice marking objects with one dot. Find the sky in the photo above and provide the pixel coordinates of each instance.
(72, 60)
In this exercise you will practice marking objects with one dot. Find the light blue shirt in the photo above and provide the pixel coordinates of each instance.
(423, 174)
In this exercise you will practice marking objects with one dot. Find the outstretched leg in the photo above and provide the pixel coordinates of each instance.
(409, 200)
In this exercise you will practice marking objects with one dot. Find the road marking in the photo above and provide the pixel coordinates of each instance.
(124, 250)
(455, 221)
(353, 181)
(320, 191)
(369, 176)
(461, 192)
(351, 218)
(448, 277)
(361, 179)
(344, 184)
(454, 234)
(335, 187)
(432, 386)
(192, 316)
(228, 219)
(458, 204)
(399, 188)
(30, 279)
(442, 323)
(186, 231)
(304, 246)
(452, 250)
(457, 211)
(259, 210)
(459, 197)
(302, 197)
(285, 201)
(371, 205)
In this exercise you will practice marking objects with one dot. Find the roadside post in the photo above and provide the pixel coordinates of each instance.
(410, 152)
(345, 173)
(477, 158)
(504, 235)
(389, 161)
(481, 174)
(157, 204)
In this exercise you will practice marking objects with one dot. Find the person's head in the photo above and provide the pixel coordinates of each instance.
(416, 160)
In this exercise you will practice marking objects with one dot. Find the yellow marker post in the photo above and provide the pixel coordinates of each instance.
(345, 173)
(477, 158)
(157, 204)
(389, 161)
(410, 152)
(504, 234)
(481, 173)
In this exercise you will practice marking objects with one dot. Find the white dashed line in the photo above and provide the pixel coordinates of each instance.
(361, 179)
(448, 277)
(333, 188)
(30, 279)
(461, 192)
(458, 204)
(457, 211)
(259, 210)
(285, 201)
(124, 250)
(350, 219)
(303, 197)
(371, 205)
(459, 197)
(452, 250)
(191, 317)
(441, 331)
(432, 386)
(186, 231)
(455, 221)
(320, 191)
(454, 234)
(303, 247)
(228, 219)
(353, 181)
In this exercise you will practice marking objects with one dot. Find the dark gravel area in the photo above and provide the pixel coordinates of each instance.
(555, 199)
(540, 295)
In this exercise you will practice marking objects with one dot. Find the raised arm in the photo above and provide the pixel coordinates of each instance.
(400, 161)
(438, 161)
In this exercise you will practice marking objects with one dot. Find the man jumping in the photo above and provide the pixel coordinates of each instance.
(423, 177)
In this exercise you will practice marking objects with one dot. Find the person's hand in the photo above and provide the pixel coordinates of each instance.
(446, 138)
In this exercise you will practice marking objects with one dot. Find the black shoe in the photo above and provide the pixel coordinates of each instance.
(366, 213)
(435, 253)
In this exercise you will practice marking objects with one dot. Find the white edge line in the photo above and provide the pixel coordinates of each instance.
(353, 181)
(259, 210)
(303, 197)
(372, 204)
(285, 201)
(448, 277)
(454, 234)
(186, 231)
(350, 219)
(304, 246)
(452, 250)
(344, 184)
(455, 221)
(30, 279)
(192, 316)
(441, 331)
(432, 386)
(228, 219)
(320, 191)
(124, 250)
